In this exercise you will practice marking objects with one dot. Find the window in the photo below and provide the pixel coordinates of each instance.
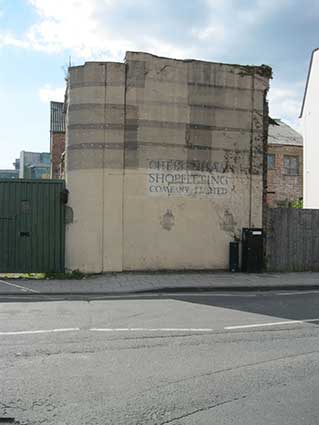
(45, 158)
(291, 165)
(270, 161)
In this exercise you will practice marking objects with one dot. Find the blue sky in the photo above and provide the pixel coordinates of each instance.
(37, 37)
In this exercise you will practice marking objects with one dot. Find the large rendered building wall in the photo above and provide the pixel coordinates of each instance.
(94, 166)
(164, 162)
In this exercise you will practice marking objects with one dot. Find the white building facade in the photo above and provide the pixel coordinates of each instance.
(310, 125)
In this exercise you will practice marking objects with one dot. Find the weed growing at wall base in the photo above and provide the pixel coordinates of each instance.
(297, 204)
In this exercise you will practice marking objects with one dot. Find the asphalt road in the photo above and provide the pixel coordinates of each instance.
(249, 358)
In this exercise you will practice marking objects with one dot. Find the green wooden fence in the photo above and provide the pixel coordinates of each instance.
(32, 226)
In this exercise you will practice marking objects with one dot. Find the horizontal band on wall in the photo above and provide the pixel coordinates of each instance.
(96, 146)
(95, 161)
(101, 106)
(96, 126)
(159, 124)
(194, 105)
(128, 106)
(219, 86)
(186, 125)
(205, 85)
(97, 84)
(189, 83)
(133, 145)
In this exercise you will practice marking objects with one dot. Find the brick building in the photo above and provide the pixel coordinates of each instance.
(284, 164)
(57, 138)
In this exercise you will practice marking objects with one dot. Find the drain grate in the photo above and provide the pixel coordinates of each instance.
(4, 420)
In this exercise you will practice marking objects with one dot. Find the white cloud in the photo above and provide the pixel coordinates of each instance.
(229, 19)
(70, 25)
(104, 30)
(89, 30)
(85, 28)
(285, 103)
(48, 93)
(10, 40)
(210, 33)
(76, 26)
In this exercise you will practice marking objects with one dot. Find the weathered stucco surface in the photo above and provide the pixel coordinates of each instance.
(164, 162)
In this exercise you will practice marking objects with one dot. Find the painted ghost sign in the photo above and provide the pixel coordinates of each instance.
(195, 179)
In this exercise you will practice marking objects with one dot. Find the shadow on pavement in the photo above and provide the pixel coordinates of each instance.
(293, 307)
(300, 306)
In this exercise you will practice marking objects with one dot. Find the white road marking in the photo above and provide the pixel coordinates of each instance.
(110, 330)
(260, 325)
(40, 331)
(151, 329)
(301, 292)
(23, 288)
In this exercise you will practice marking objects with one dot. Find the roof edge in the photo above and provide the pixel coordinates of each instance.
(284, 144)
(55, 101)
(263, 69)
(307, 82)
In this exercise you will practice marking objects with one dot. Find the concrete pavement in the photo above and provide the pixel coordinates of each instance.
(120, 283)
(245, 358)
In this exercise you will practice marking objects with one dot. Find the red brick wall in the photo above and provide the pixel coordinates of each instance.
(286, 188)
(57, 148)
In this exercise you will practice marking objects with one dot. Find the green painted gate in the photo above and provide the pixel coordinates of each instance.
(32, 226)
